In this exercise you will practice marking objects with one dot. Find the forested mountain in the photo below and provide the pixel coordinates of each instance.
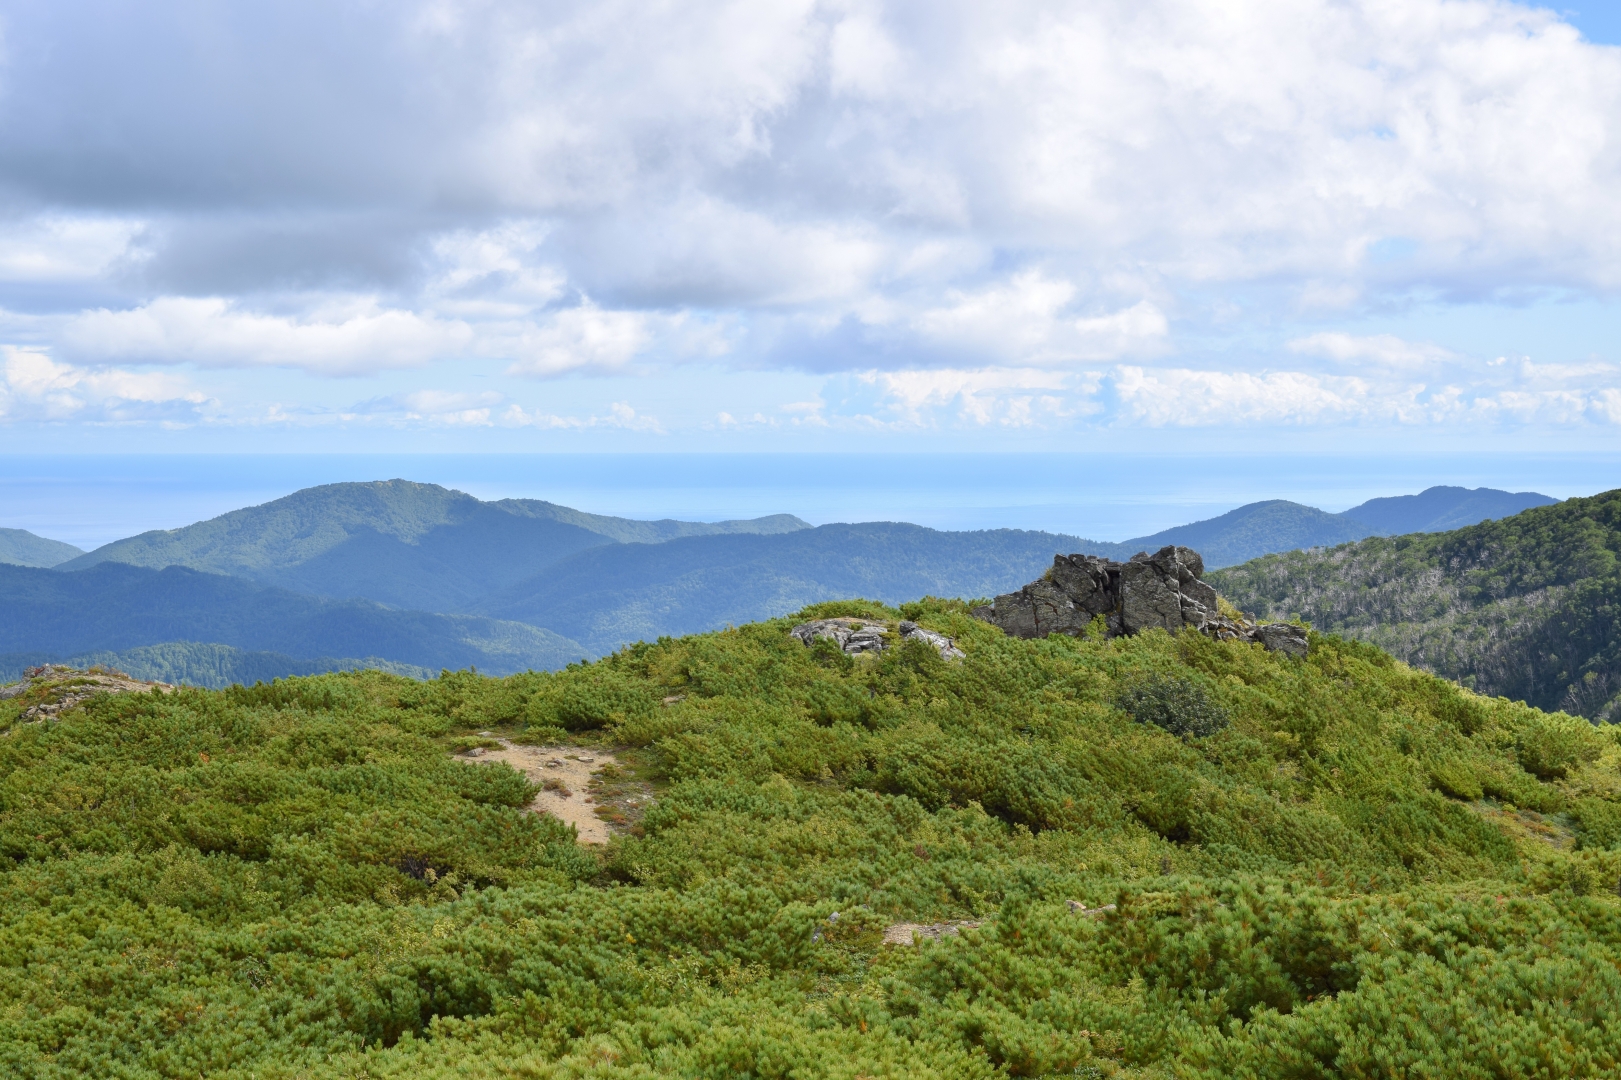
(1260, 528)
(820, 866)
(199, 664)
(607, 596)
(113, 607)
(1528, 607)
(411, 545)
(594, 580)
(19, 547)
(1255, 529)
(1438, 509)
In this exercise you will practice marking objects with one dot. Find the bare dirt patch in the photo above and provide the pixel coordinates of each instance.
(573, 784)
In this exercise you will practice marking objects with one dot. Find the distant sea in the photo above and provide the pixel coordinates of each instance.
(90, 500)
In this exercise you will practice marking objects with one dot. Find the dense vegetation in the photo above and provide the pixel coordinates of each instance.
(1526, 607)
(114, 608)
(22, 548)
(1343, 867)
(194, 663)
(410, 545)
(608, 596)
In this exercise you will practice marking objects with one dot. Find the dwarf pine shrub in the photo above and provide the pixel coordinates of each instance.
(1350, 869)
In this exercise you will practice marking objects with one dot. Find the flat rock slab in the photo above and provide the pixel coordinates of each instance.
(54, 689)
(567, 771)
(910, 933)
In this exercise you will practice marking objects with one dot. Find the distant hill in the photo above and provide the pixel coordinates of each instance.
(196, 664)
(19, 547)
(1261, 528)
(607, 596)
(410, 545)
(1255, 529)
(1438, 509)
(113, 607)
(1528, 606)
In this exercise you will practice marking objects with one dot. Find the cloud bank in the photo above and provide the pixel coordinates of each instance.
(1021, 214)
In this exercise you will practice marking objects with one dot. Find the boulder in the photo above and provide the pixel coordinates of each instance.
(946, 647)
(1164, 590)
(868, 635)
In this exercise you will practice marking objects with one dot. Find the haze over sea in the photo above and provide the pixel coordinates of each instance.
(92, 499)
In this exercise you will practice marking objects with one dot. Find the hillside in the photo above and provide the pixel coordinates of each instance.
(192, 663)
(1526, 607)
(1360, 871)
(113, 608)
(406, 544)
(20, 547)
(1439, 509)
(608, 596)
(1255, 529)
(1261, 528)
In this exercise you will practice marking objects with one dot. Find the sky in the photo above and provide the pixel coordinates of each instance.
(750, 225)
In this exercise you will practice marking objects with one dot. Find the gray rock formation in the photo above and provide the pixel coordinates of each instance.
(946, 647)
(868, 635)
(53, 689)
(1163, 590)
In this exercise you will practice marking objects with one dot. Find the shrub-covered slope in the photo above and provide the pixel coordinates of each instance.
(1341, 867)
(113, 608)
(1526, 607)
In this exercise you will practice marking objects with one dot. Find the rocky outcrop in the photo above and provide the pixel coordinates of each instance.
(53, 688)
(1163, 590)
(871, 636)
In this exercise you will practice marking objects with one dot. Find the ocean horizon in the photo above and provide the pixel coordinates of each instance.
(93, 499)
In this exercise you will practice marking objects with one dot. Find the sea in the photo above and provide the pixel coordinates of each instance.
(92, 499)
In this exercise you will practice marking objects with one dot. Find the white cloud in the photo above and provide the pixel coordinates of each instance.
(584, 337)
(1208, 398)
(1385, 350)
(37, 388)
(611, 187)
(620, 415)
(55, 248)
(213, 332)
(1025, 320)
(1008, 397)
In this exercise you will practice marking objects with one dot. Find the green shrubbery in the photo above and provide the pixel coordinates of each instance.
(1330, 867)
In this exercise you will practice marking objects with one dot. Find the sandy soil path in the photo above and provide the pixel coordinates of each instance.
(566, 771)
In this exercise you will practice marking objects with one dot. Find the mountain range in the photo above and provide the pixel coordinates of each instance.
(418, 577)
(1527, 607)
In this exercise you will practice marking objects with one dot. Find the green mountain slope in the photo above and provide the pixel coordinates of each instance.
(1364, 871)
(192, 663)
(19, 547)
(607, 596)
(410, 545)
(1255, 529)
(1526, 607)
(113, 608)
(1438, 509)
(1261, 528)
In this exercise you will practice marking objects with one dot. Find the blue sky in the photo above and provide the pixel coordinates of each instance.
(733, 225)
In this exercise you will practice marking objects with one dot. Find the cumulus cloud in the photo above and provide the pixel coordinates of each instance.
(859, 186)
(344, 339)
(1386, 350)
(619, 415)
(37, 388)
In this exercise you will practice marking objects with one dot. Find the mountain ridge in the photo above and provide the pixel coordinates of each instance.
(114, 607)
(19, 547)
